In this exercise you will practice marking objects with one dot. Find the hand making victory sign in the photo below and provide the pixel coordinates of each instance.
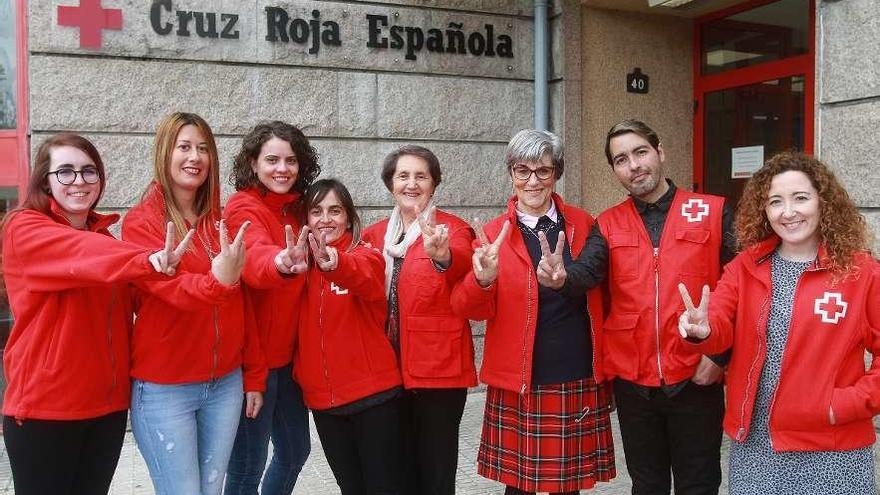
(551, 269)
(227, 265)
(694, 322)
(293, 259)
(326, 257)
(485, 258)
(435, 238)
(166, 260)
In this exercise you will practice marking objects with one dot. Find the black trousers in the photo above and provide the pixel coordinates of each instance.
(429, 432)
(681, 434)
(363, 449)
(76, 457)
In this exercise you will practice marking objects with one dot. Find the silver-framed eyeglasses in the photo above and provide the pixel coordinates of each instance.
(67, 176)
(522, 172)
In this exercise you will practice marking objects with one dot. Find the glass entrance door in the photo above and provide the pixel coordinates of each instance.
(753, 90)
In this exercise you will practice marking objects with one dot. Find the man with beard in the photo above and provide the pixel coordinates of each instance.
(669, 399)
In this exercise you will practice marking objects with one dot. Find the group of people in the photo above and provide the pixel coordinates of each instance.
(220, 330)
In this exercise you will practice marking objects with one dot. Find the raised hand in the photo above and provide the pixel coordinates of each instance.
(326, 257)
(166, 260)
(295, 257)
(694, 321)
(227, 265)
(485, 258)
(435, 238)
(551, 269)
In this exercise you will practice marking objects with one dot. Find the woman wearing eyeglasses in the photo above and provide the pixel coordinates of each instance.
(546, 426)
(193, 334)
(426, 253)
(66, 361)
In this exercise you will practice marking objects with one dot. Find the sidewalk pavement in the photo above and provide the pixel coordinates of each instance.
(132, 477)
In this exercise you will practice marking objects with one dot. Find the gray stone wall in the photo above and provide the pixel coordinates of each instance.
(355, 102)
(848, 94)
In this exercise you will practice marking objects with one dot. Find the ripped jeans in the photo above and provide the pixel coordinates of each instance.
(185, 432)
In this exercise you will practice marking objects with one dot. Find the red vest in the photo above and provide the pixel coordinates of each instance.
(642, 344)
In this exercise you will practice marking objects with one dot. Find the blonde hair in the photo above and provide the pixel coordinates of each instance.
(207, 202)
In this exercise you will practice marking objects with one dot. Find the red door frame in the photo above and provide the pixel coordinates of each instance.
(17, 175)
(793, 66)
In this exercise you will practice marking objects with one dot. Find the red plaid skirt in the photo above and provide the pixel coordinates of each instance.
(557, 438)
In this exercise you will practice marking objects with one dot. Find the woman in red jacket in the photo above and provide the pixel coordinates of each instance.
(800, 306)
(344, 363)
(546, 426)
(66, 361)
(193, 333)
(274, 167)
(426, 253)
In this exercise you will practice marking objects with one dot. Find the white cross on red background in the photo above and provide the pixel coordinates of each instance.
(830, 307)
(337, 289)
(694, 210)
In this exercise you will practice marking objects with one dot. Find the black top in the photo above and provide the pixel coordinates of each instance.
(563, 349)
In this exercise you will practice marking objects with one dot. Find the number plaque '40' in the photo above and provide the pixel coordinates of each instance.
(636, 82)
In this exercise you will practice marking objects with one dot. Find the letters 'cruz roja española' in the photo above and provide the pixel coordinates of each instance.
(283, 27)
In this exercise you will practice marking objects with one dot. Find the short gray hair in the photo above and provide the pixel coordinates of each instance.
(530, 145)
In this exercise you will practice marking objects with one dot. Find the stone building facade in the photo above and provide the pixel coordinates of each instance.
(456, 76)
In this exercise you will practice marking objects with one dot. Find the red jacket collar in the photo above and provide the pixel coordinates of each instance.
(343, 242)
(95, 222)
(273, 200)
(763, 249)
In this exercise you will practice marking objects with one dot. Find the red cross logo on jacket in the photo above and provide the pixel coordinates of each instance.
(694, 210)
(831, 307)
(91, 19)
(339, 291)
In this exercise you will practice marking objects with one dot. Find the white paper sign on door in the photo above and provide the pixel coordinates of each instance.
(745, 161)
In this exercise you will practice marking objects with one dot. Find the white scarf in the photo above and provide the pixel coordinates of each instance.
(394, 249)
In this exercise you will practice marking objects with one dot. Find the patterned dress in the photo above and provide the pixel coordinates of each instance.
(755, 469)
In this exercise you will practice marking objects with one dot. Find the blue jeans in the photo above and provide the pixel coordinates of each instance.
(283, 418)
(185, 432)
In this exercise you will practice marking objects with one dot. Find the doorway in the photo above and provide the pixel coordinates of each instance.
(753, 90)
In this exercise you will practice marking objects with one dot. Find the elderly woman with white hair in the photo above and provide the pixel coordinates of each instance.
(546, 426)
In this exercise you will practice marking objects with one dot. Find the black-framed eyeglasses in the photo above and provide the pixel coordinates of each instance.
(67, 176)
(521, 172)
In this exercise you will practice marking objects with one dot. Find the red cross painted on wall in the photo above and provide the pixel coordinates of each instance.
(91, 19)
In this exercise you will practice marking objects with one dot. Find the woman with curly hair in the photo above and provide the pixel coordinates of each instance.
(799, 306)
(274, 167)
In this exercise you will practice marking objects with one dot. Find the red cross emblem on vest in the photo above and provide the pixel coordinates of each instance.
(830, 307)
(694, 210)
(91, 19)
(339, 291)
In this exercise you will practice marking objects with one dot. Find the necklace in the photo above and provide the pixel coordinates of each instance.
(206, 245)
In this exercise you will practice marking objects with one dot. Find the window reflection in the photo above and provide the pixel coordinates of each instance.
(7, 65)
(763, 34)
